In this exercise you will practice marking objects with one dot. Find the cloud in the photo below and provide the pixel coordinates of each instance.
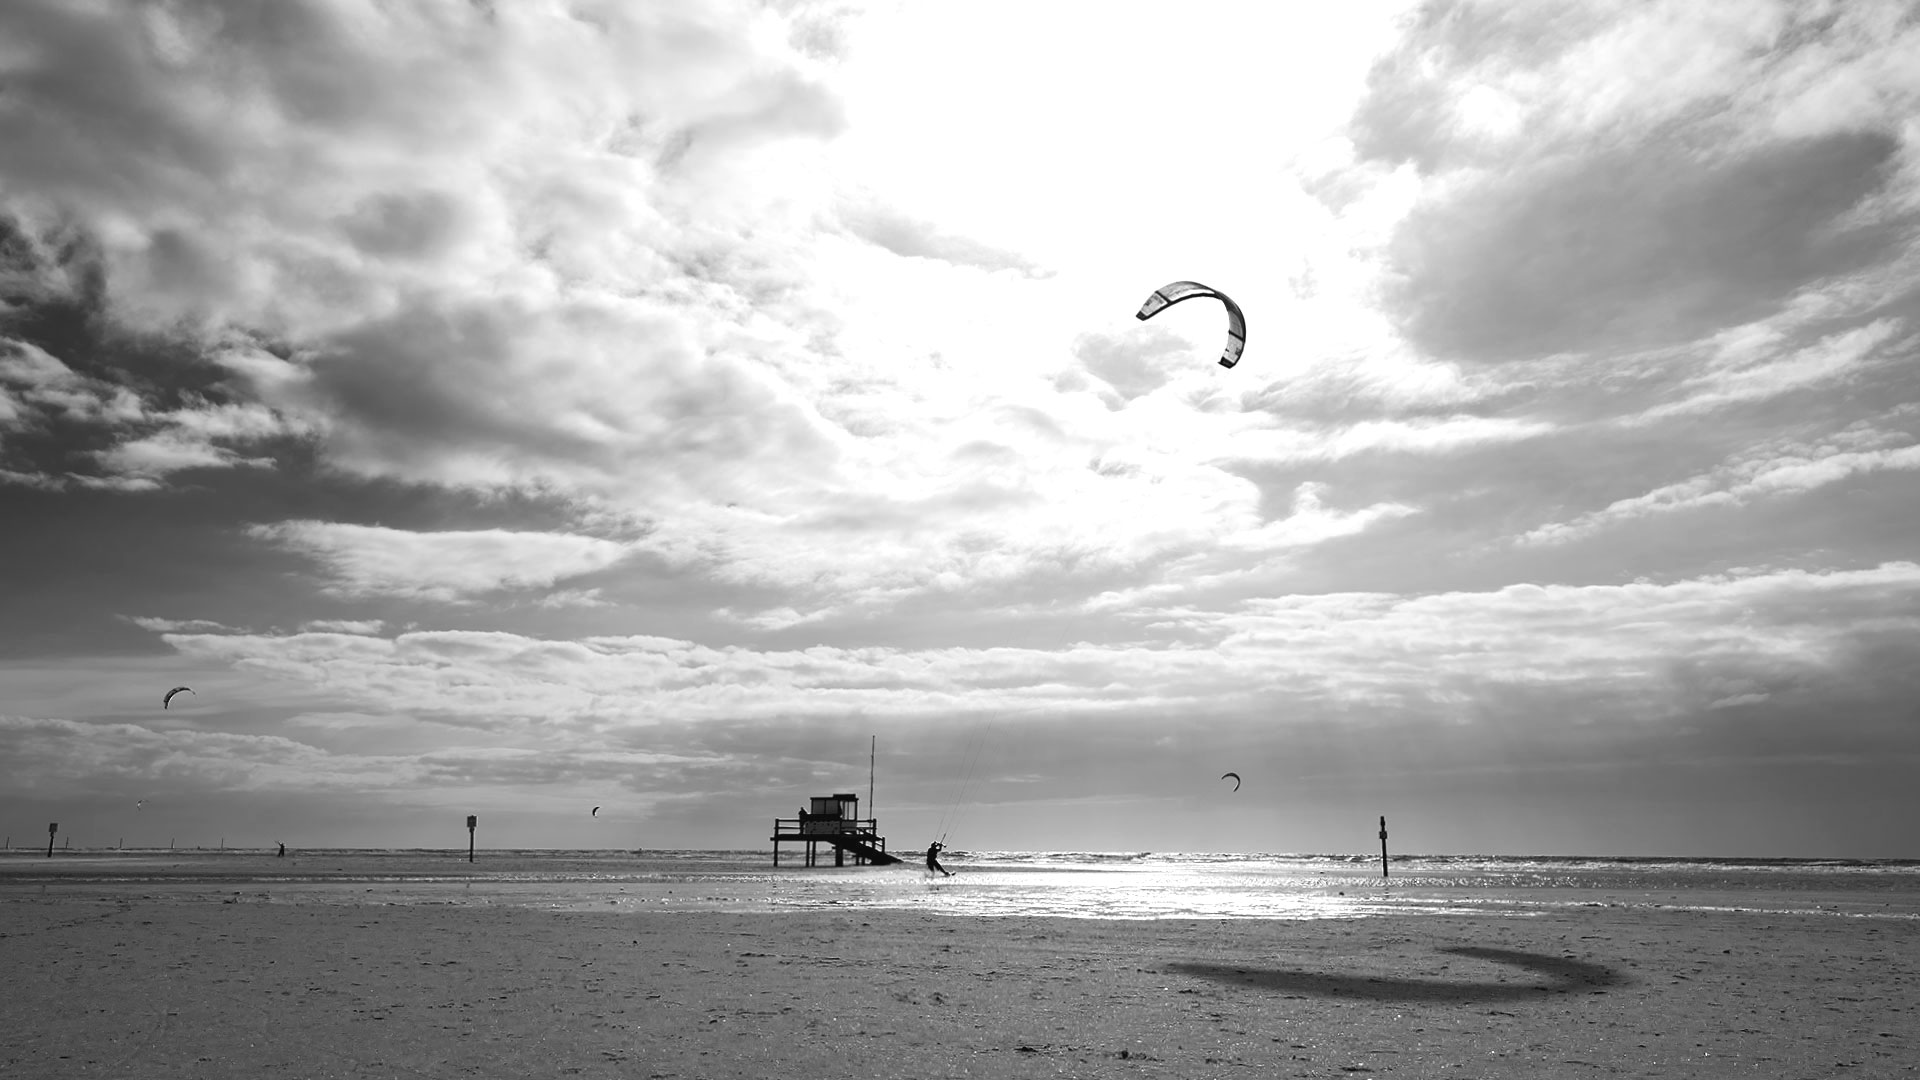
(877, 223)
(55, 755)
(342, 626)
(625, 265)
(430, 215)
(573, 598)
(1643, 247)
(1487, 686)
(44, 755)
(179, 626)
(38, 391)
(1311, 523)
(1422, 436)
(1601, 664)
(447, 566)
(598, 395)
(1131, 367)
(266, 166)
(1598, 180)
(1824, 361)
(1737, 483)
(1618, 655)
(158, 455)
(78, 430)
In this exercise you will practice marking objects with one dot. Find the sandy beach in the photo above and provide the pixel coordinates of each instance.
(115, 980)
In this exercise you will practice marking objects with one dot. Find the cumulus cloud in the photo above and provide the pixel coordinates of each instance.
(1637, 204)
(614, 266)
(368, 185)
(270, 165)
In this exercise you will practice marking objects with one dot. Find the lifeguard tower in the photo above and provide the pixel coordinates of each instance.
(835, 820)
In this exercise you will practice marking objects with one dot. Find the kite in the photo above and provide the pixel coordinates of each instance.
(1236, 779)
(596, 812)
(1168, 295)
(167, 701)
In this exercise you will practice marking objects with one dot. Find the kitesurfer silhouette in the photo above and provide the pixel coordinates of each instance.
(933, 861)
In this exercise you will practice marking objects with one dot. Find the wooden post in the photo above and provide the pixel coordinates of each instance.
(1383, 845)
(52, 828)
(472, 820)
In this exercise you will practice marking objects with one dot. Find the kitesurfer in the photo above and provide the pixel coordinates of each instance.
(933, 859)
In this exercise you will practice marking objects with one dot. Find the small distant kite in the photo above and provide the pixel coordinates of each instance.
(140, 805)
(596, 812)
(1236, 779)
(1168, 295)
(167, 701)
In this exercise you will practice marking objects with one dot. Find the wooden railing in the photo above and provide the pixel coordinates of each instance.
(858, 828)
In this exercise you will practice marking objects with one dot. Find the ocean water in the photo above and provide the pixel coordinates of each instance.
(1111, 885)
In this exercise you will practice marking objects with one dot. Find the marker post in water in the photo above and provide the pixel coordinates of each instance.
(1383, 845)
(472, 820)
(52, 827)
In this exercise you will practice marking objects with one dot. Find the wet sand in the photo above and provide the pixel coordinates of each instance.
(116, 982)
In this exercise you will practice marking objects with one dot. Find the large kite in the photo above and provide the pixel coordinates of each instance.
(1168, 295)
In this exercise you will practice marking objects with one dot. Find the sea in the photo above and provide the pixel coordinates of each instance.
(1071, 884)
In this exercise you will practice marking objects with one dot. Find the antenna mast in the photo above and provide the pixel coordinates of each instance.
(871, 747)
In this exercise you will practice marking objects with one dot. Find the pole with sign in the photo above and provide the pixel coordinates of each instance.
(1383, 846)
(472, 820)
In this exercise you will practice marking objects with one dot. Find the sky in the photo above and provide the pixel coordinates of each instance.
(513, 408)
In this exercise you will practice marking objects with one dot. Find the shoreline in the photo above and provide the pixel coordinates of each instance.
(1172, 889)
(120, 985)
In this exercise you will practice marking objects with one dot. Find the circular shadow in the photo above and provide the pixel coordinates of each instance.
(1558, 974)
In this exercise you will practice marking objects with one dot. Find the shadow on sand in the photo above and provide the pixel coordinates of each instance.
(1558, 975)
